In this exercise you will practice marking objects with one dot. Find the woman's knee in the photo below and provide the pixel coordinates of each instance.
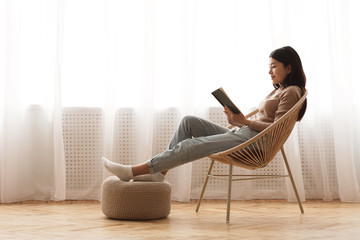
(188, 120)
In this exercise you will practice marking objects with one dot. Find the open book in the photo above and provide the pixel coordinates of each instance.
(224, 99)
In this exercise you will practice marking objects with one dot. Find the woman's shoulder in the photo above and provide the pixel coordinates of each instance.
(292, 90)
(291, 93)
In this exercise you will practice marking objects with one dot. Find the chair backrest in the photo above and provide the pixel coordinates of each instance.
(260, 150)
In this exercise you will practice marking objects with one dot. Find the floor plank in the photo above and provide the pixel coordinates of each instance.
(256, 219)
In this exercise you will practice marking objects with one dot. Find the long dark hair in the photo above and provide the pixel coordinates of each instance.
(288, 56)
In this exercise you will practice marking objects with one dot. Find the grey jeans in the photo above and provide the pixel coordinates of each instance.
(196, 138)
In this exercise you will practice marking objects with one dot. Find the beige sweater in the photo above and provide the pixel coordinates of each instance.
(275, 105)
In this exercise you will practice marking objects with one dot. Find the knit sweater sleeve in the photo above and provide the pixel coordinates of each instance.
(287, 98)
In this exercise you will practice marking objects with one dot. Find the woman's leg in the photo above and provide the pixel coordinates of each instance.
(189, 127)
(208, 138)
(196, 148)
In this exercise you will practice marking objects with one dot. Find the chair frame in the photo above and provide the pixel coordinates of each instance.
(230, 157)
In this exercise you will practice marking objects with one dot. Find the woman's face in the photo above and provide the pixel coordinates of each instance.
(278, 71)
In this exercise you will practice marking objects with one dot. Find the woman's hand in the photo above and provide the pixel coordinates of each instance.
(235, 119)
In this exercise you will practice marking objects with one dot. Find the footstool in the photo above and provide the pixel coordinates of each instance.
(135, 200)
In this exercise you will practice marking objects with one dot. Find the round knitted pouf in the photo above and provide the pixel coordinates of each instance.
(135, 200)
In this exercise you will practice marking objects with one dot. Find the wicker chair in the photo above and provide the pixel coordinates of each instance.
(257, 152)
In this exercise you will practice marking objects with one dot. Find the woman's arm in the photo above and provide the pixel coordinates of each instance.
(287, 99)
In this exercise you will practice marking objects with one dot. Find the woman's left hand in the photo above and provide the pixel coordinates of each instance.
(235, 119)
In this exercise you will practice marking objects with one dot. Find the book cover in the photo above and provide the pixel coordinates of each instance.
(224, 99)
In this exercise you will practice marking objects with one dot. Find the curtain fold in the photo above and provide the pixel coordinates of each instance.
(59, 150)
(117, 80)
(343, 105)
(32, 157)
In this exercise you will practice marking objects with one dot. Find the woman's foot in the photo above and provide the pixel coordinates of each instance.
(156, 177)
(124, 172)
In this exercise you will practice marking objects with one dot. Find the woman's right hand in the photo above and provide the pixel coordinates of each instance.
(234, 119)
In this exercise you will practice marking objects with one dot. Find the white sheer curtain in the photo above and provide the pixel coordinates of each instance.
(32, 156)
(150, 57)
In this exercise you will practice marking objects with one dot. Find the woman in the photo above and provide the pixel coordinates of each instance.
(196, 138)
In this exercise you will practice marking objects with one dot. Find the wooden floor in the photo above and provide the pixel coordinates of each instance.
(260, 219)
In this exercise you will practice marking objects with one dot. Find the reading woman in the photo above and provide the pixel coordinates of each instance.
(196, 138)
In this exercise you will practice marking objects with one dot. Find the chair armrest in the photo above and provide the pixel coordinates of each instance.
(249, 115)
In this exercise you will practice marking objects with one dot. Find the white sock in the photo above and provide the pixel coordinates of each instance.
(156, 177)
(124, 172)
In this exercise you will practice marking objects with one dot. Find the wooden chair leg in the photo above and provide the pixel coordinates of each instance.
(292, 180)
(204, 187)
(229, 193)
